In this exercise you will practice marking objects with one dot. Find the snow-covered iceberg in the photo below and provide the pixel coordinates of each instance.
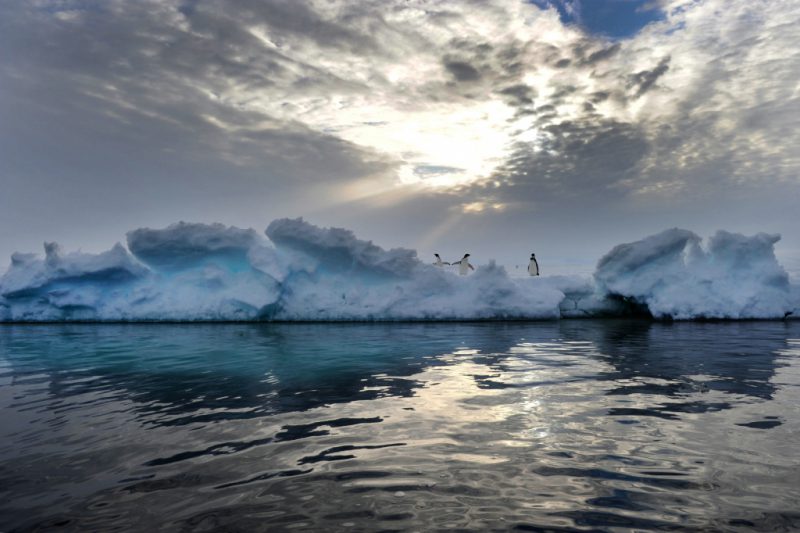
(672, 276)
(190, 272)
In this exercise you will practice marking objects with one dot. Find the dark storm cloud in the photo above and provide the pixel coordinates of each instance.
(585, 158)
(519, 95)
(602, 54)
(461, 70)
(562, 91)
(480, 71)
(91, 135)
(138, 76)
(643, 81)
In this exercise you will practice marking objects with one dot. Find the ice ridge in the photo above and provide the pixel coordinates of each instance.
(300, 272)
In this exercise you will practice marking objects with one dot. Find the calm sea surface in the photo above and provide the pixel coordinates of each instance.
(570, 425)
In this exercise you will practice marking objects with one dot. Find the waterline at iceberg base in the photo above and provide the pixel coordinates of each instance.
(300, 272)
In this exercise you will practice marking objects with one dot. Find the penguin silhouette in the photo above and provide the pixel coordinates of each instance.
(463, 266)
(533, 266)
(439, 261)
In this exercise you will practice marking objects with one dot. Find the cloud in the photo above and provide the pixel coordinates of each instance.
(601, 54)
(462, 71)
(587, 158)
(692, 106)
(519, 94)
(644, 80)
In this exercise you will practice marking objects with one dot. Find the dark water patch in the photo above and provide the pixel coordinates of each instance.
(335, 453)
(762, 424)
(788, 520)
(695, 407)
(552, 529)
(490, 384)
(236, 518)
(633, 411)
(304, 431)
(400, 487)
(596, 473)
(370, 474)
(347, 515)
(265, 476)
(396, 517)
(225, 448)
(614, 520)
(620, 500)
(183, 480)
(668, 411)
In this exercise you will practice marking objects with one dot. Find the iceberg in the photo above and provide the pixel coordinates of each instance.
(673, 276)
(296, 271)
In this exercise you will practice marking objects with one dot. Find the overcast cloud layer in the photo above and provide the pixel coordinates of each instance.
(490, 126)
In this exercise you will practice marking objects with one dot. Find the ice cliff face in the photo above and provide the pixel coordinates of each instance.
(337, 250)
(673, 276)
(183, 272)
(189, 272)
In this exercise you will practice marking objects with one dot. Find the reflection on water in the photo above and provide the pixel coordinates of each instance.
(567, 425)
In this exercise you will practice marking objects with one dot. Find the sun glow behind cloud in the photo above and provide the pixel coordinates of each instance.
(442, 147)
(439, 146)
(440, 129)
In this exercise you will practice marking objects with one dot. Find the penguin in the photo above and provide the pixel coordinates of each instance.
(533, 266)
(439, 261)
(463, 265)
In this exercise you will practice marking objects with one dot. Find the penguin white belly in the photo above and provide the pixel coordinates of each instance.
(463, 267)
(533, 268)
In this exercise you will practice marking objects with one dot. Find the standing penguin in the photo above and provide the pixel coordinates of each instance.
(463, 265)
(533, 266)
(439, 261)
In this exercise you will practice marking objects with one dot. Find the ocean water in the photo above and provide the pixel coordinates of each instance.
(568, 425)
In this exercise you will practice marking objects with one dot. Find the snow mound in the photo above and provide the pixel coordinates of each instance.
(337, 276)
(338, 250)
(189, 272)
(185, 245)
(29, 274)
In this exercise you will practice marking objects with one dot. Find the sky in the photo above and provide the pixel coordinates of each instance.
(494, 127)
